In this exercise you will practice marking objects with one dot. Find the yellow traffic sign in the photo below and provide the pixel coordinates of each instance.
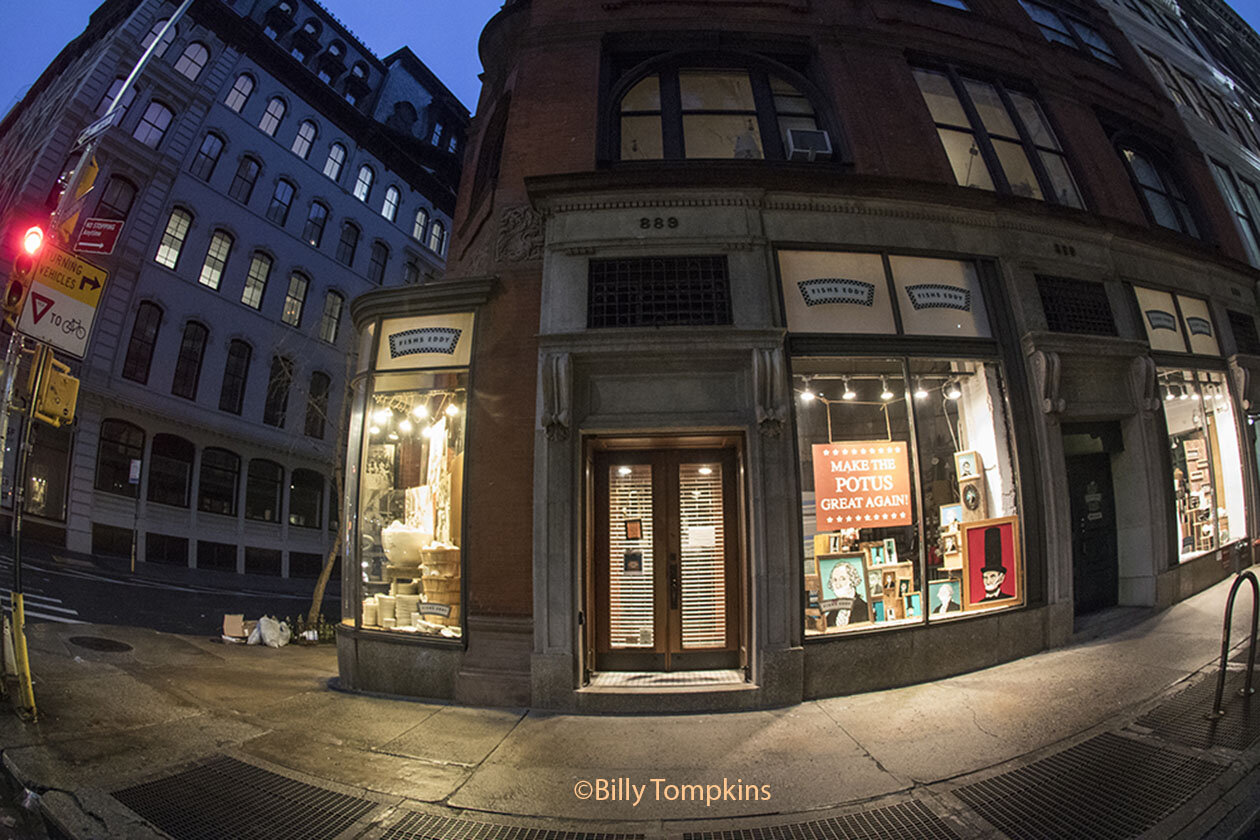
(61, 306)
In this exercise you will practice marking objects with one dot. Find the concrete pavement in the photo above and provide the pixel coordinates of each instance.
(111, 720)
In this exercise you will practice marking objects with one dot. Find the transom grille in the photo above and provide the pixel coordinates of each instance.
(1245, 336)
(659, 292)
(1076, 306)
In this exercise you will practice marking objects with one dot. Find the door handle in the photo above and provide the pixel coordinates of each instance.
(675, 586)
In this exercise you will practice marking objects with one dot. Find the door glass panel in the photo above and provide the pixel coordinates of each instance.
(703, 556)
(631, 599)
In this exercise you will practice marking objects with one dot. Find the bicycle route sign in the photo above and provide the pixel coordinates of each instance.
(61, 304)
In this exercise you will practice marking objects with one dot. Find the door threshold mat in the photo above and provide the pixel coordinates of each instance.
(1107, 788)
(1183, 717)
(653, 679)
(906, 821)
(417, 826)
(229, 798)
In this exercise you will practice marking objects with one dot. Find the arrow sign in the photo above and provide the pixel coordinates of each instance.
(40, 305)
(86, 281)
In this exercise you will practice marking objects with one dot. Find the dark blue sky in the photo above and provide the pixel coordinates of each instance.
(444, 35)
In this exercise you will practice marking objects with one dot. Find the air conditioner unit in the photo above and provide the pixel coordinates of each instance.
(808, 144)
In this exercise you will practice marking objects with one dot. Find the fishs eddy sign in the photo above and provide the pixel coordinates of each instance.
(861, 484)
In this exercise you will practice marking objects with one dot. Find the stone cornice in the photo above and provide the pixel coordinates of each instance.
(430, 299)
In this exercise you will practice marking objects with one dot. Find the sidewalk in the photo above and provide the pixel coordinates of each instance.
(1103, 739)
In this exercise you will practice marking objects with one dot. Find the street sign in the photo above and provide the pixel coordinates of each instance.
(98, 127)
(133, 476)
(64, 295)
(98, 236)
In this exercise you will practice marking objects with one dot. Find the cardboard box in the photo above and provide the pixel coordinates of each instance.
(234, 625)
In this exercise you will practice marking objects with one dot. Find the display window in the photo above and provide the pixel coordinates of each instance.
(1207, 471)
(908, 487)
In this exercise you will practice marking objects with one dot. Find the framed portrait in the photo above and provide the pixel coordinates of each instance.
(879, 609)
(890, 550)
(845, 599)
(813, 591)
(944, 596)
(903, 587)
(967, 464)
(993, 572)
(890, 580)
(951, 514)
(876, 587)
(912, 605)
(949, 541)
(634, 529)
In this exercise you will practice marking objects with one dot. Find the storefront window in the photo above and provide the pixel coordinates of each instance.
(879, 550)
(410, 497)
(1207, 470)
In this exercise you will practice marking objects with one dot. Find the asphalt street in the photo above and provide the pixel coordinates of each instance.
(72, 590)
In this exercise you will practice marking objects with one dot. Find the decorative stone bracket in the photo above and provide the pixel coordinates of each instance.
(1242, 382)
(1047, 371)
(520, 235)
(557, 395)
(768, 383)
(1144, 384)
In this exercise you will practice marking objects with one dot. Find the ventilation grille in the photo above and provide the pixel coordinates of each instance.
(1245, 335)
(1108, 787)
(428, 827)
(909, 820)
(1183, 718)
(229, 798)
(1076, 306)
(659, 292)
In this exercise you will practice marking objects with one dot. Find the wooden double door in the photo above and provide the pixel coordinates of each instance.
(666, 571)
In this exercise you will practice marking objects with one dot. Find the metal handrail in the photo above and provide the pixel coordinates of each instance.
(1247, 691)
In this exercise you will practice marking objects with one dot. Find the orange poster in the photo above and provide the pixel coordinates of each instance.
(861, 484)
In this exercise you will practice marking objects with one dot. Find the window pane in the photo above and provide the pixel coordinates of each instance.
(941, 100)
(144, 334)
(239, 94)
(1034, 120)
(170, 470)
(835, 292)
(1065, 191)
(1143, 170)
(188, 362)
(303, 140)
(331, 320)
(389, 209)
(641, 138)
(964, 156)
(1098, 46)
(313, 232)
(336, 157)
(256, 281)
(1161, 209)
(272, 116)
(1019, 172)
(306, 499)
(414, 452)
(787, 124)
(262, 491)
(277, 404)
(119, 444)
(789, 100)
(939, 297)
(644, 96)
(363, 185)
(173, 238)
(715, 90)
(989, 105)
(235, 375)
(153, 125)
(220, 473)
(216, 260)
(193, 59)
(421, 224)
(721, 136)
(293, 300)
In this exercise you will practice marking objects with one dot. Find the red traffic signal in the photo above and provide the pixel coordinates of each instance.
(20, 275)
(33, 240)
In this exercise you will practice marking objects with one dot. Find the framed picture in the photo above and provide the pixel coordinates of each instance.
(950, 514)
(813, 590)
(945, 596)
(912, 605)
(876, 587)
(634, 529)
(967, 464)
(876, 553)
(903, 587)
(949, 541)
(879, 609)
(845, 600)
(890, 580)
(890, 550)
(993, 573)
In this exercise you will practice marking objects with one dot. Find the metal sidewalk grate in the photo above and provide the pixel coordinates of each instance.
(909, 820)
(1106, 788)
(417, 826)
(229, 798)
(1183, 717)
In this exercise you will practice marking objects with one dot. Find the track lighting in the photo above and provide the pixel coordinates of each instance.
(952, 391)
(920, 393)
(849, 393)
(885, 394)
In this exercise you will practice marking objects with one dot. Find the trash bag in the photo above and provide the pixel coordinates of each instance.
(273, 633)
(255, 635)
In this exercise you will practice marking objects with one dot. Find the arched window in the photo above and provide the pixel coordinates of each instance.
(242, 186)
(144, 333)
(421, 225)
(306, 499)
(170, 470)
(295, 299)
(110, 95)
(389, 209)
(313, 230)
(1159, 191)
(279, 382)
(742, 108)
(330, 322)
(120, 443)
(437, 237)
(305, 138)
(153, 125)
(173, 237)
(239, 94)
(235, 375)
(188, 363)
(281, 200)
(216, 259)
(262, 490)
(317, 404)
(272, 117)
(193, 60)
(117, 199)
(348, 244)
(207, 157)
(336, 159)
(363, 185)
(411, 273)
(152, 35)
(220, 478)
(256, 280)
(376, 265)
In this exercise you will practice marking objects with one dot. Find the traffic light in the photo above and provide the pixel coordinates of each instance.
(58, 392)
(20, 276)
